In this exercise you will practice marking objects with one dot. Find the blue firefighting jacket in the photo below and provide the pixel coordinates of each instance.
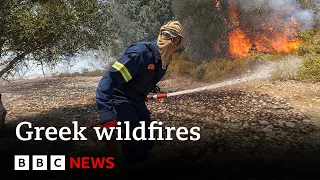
(130, 79)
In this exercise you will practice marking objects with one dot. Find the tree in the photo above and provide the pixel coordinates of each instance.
(138, 20)
(152, 16)
(205, 25)
(49, 31)
(23, 68)
(67, 65)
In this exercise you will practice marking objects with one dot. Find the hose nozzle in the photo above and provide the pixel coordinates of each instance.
(155, 96)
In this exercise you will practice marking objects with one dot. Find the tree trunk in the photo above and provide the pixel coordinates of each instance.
(3, 113)
(12, 63)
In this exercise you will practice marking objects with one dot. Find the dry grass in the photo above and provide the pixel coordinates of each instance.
(287, 69)
(208, 71)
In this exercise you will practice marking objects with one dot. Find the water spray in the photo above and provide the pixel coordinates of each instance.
(263, 72)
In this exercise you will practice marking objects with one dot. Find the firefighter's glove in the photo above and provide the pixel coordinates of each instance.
(108, 125)
(146, 99)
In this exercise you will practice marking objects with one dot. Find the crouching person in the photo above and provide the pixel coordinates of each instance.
(122, 90)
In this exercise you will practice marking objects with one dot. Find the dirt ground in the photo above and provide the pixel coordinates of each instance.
(254, 130)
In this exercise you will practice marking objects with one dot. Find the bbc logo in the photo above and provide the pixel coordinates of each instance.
(39, 162)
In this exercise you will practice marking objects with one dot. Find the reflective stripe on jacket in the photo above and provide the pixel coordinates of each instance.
(131, 78)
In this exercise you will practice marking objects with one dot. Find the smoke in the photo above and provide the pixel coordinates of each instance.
(306, 17)
(271, 11)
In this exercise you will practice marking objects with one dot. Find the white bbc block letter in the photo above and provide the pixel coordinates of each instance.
(39, 162)
(57, 162)
(21, 162)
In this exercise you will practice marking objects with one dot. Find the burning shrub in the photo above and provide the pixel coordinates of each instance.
(236, 28)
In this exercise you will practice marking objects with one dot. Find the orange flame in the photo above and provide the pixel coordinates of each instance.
(234, 15)
(267, 40)
(239, 43)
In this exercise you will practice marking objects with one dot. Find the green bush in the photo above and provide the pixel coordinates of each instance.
(310, 69)
(289, 67)
(179, 66)
(222, 69)
(310, 43)
(307, 35)
(199, 72)
(209, 71)
(259, 57)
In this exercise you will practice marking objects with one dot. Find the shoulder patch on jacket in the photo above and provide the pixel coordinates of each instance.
(151, 67)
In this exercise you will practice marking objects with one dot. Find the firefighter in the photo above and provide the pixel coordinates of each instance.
(120, 95)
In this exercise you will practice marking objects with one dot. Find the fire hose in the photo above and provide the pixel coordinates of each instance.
(156, 93)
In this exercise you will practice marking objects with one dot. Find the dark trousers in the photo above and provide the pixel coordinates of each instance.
(134, 151)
